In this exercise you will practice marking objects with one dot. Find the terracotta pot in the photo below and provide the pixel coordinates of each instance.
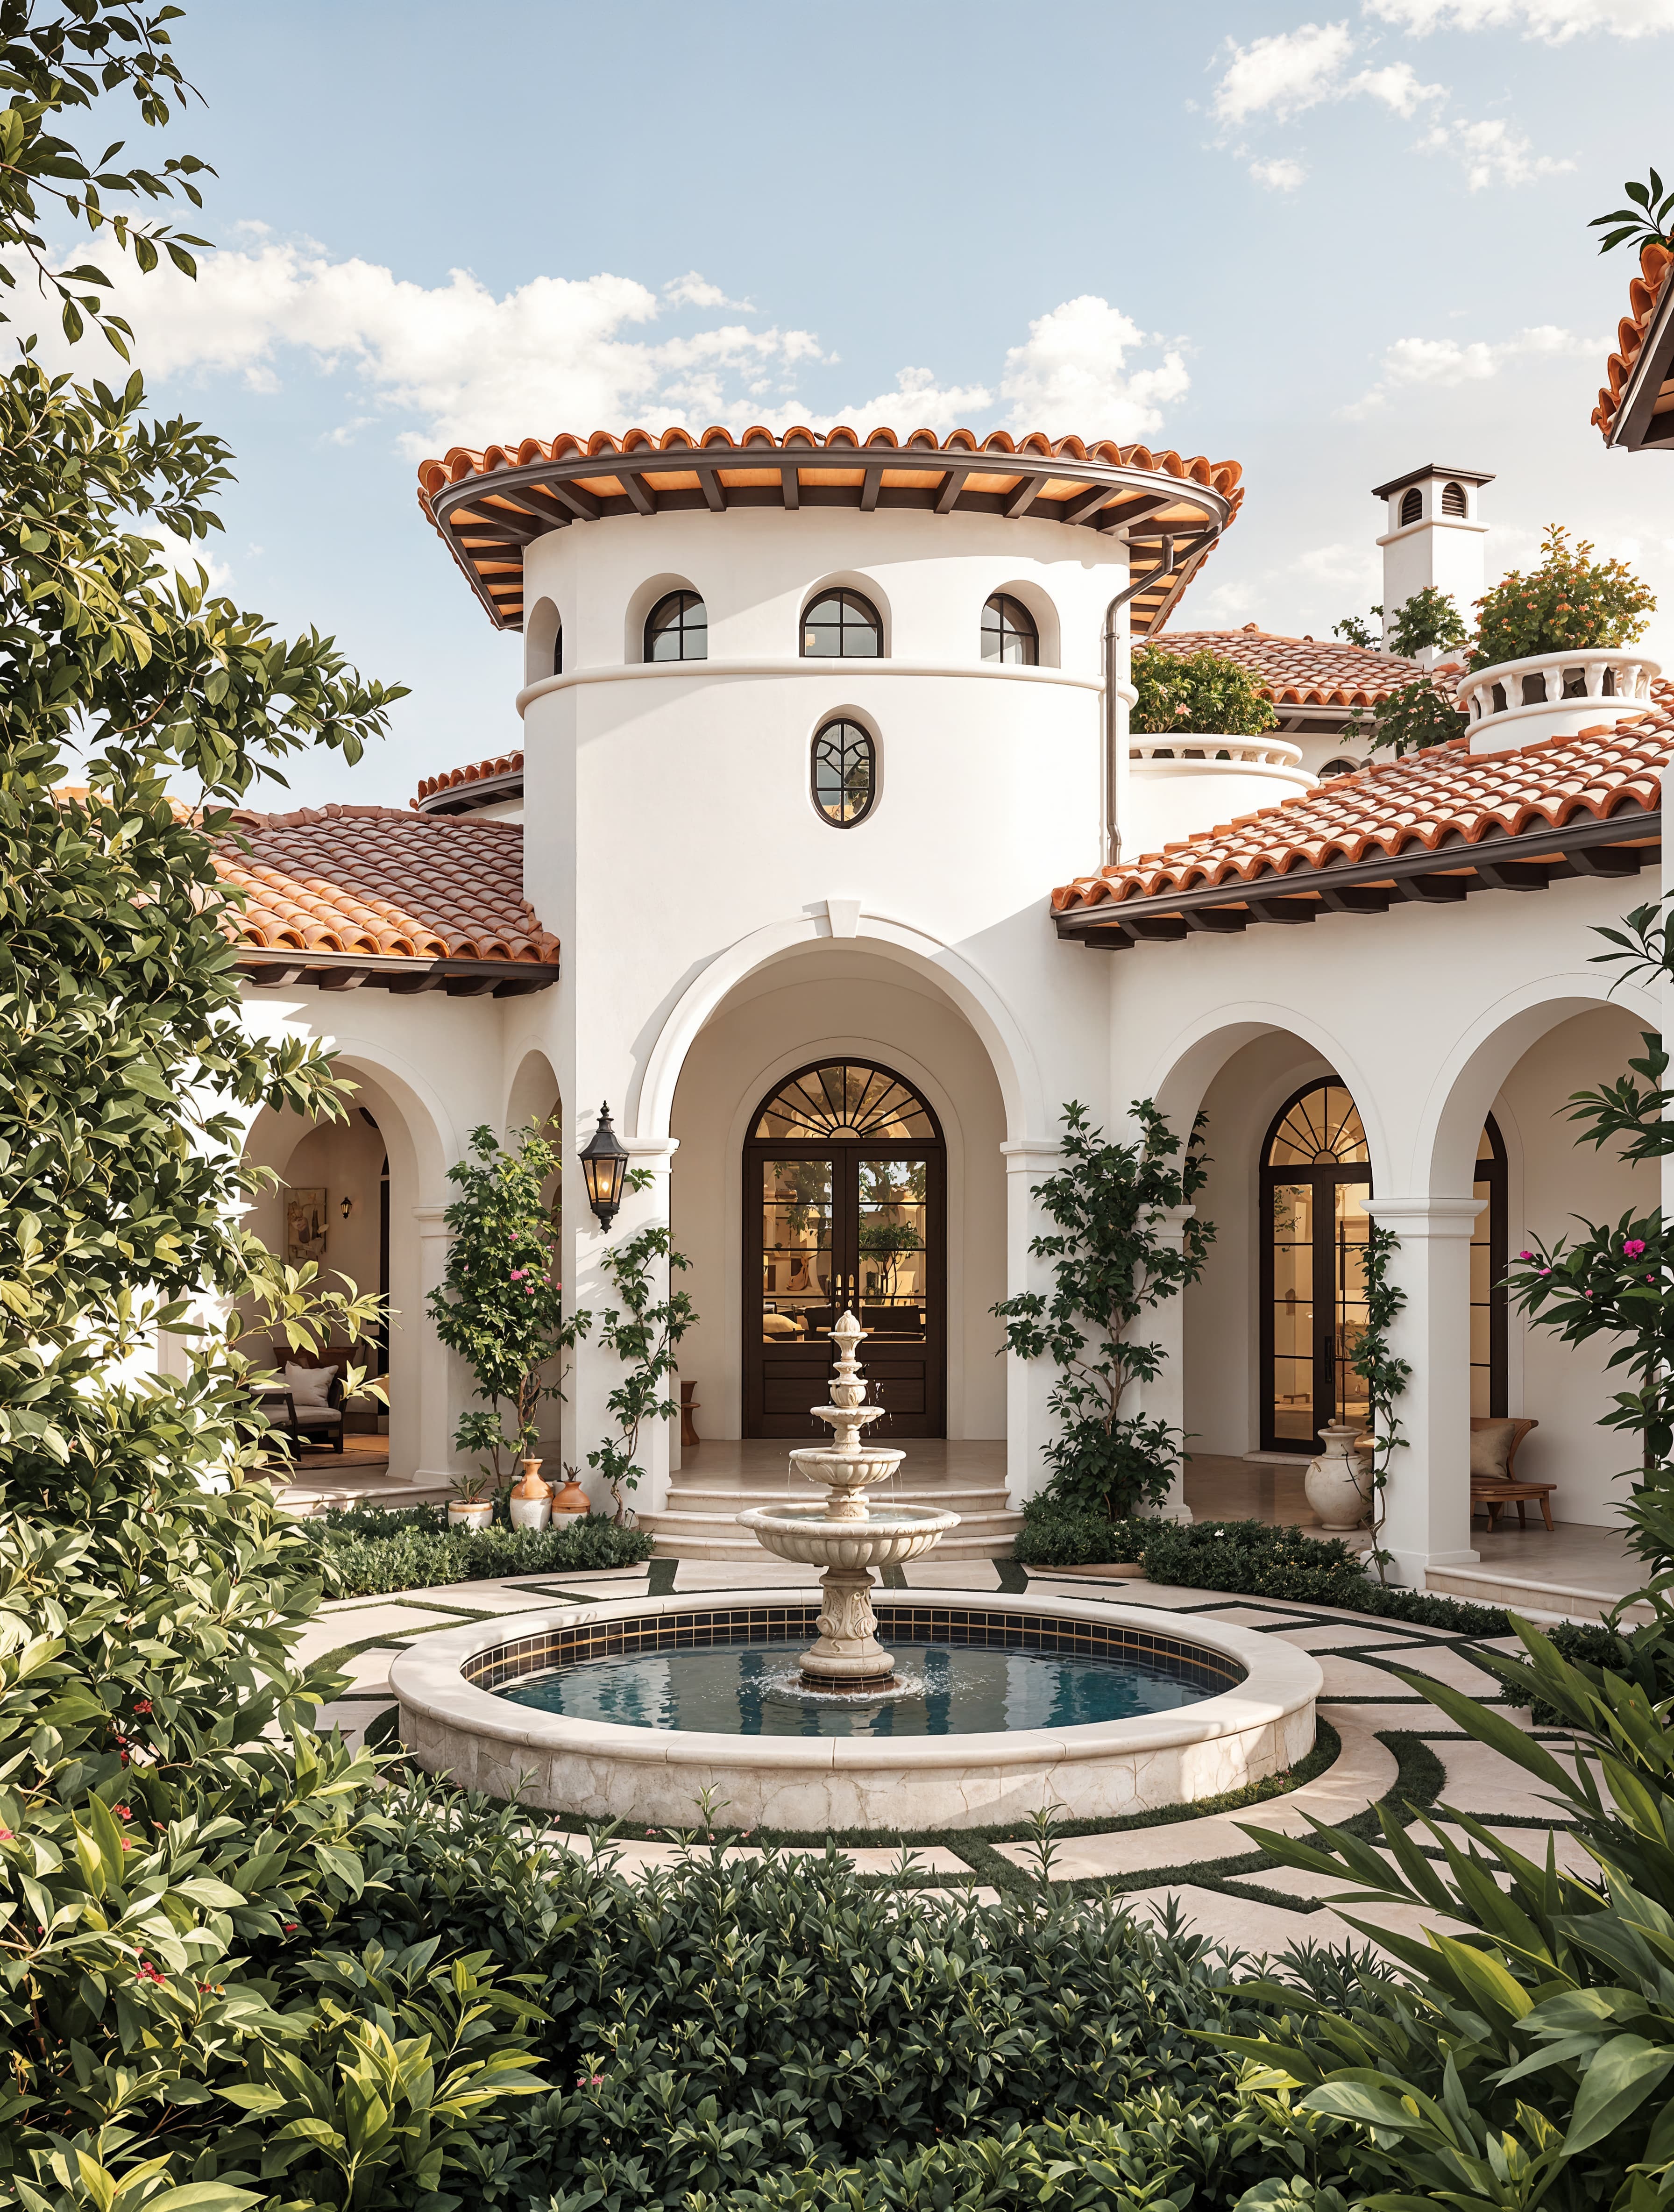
(1338, 1487)
(570, 1503)
(531, 1486)
(466, 1513)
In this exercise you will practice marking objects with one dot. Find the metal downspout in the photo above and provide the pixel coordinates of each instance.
(1112, 756)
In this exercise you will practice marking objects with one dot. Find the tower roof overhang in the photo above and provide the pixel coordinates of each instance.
(488, 507)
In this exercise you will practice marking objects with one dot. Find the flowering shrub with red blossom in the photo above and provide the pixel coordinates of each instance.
(1570, 601)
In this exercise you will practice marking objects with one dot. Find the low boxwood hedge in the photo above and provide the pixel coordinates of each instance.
(365, 1551)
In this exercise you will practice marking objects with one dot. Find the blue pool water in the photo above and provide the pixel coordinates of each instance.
(754, 1688)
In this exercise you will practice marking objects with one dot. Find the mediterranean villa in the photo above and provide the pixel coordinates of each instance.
(827, 862)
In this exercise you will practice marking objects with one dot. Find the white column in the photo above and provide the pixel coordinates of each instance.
(1164, 1399)
(1427, 1502)
(1029, 1161)
(437, 1392)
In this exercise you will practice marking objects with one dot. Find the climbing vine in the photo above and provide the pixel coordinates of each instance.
(1384, 1374)
(644, 1333)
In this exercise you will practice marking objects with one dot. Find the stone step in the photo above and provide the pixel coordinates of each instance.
(1486, 1585)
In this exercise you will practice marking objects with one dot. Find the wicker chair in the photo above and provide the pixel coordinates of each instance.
(1491, 1496)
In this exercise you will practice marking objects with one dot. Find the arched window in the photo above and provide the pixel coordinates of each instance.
(1009, 632)
(678, 629)
(844, 773)
(1315, 1178)
(842, 626)
(1337, 768)
(1412, 507)
(1452, 499)
(557, 651)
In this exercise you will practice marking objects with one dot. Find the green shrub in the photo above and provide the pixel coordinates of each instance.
(1416, 716)
(1057, 1533)
(357, 1562)
(1203, 693)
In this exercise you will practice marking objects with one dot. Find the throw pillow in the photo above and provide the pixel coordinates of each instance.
(1490, 1448)
(310, 1386)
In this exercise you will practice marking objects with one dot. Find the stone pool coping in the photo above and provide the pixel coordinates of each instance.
(604, 1770)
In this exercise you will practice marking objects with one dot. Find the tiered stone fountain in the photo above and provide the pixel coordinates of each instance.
(844, 1536)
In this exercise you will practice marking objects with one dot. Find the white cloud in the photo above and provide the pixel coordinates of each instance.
(1280, 175)
(1069, 375)
(1492, 153)
(1282, 75)
(465, 366)
(1445, 363)
(695, 290)
(1556, 22)
(1397, 86)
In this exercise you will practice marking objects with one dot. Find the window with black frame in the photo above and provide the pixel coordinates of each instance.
(678, 629)
(844, 773)
(1009, 633)
(842, 625)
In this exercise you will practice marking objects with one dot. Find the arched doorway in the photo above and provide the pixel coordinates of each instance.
(1315, 1180)
(844, 1205)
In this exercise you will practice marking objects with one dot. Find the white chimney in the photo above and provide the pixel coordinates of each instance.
(1433, 536)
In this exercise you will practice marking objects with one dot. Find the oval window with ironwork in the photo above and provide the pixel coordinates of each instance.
(844, 775)
(846, 1102)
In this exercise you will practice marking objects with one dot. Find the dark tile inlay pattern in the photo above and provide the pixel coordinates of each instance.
(566, 1645)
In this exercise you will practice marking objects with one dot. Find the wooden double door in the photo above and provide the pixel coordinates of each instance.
(844, 1207)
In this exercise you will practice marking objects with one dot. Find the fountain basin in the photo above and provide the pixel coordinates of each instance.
(883, 1537)
(452, 1722)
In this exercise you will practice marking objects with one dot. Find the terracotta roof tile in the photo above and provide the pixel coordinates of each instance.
(1644, 294)
(457, 778)
(1300, 672)
(382, 881)
(1445, 795)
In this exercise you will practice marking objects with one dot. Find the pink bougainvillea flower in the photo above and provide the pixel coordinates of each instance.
(1633, 1246)
(122, 1812)
(5, 1835)
(142, 1705)
(1525, 1255)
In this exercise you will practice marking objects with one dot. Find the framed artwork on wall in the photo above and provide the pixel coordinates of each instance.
(305, 1226)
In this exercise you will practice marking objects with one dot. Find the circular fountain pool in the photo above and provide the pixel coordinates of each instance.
(629, 1710)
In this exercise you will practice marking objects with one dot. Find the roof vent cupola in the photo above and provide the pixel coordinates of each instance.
(1434, 536)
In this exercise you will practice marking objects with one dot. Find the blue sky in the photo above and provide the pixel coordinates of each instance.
(1331, 247)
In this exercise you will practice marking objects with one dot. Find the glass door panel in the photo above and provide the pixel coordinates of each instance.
(892, 1251)
(1292, 1372)
(1352, 1225)
(797, 1251)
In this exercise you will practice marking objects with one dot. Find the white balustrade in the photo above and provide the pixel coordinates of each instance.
(1514, 703)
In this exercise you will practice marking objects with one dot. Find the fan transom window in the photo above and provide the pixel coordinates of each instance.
(1322, 1130)
(846, 1102)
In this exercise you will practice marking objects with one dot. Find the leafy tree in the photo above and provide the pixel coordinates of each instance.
(1569, 602)
(1354, 631)
(644, 1333)
(1204, 693)
(501, 1305)
(1648, 222)
(1111, 1265)
(1429, 618)
(176, 1846)
(1416, 716)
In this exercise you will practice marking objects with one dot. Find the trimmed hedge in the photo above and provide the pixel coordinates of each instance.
(365, 1551)
(1246, 1558)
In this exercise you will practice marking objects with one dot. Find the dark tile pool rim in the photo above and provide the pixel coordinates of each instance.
(700, 1627)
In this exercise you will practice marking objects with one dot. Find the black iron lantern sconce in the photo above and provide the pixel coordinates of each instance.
(605, 1166)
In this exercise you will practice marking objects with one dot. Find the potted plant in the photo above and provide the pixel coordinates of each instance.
(501, 1308)
(471, 1505)
(570, 1503)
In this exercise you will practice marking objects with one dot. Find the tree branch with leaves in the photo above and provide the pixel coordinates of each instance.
(644, 1333)
(1113, 1262)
